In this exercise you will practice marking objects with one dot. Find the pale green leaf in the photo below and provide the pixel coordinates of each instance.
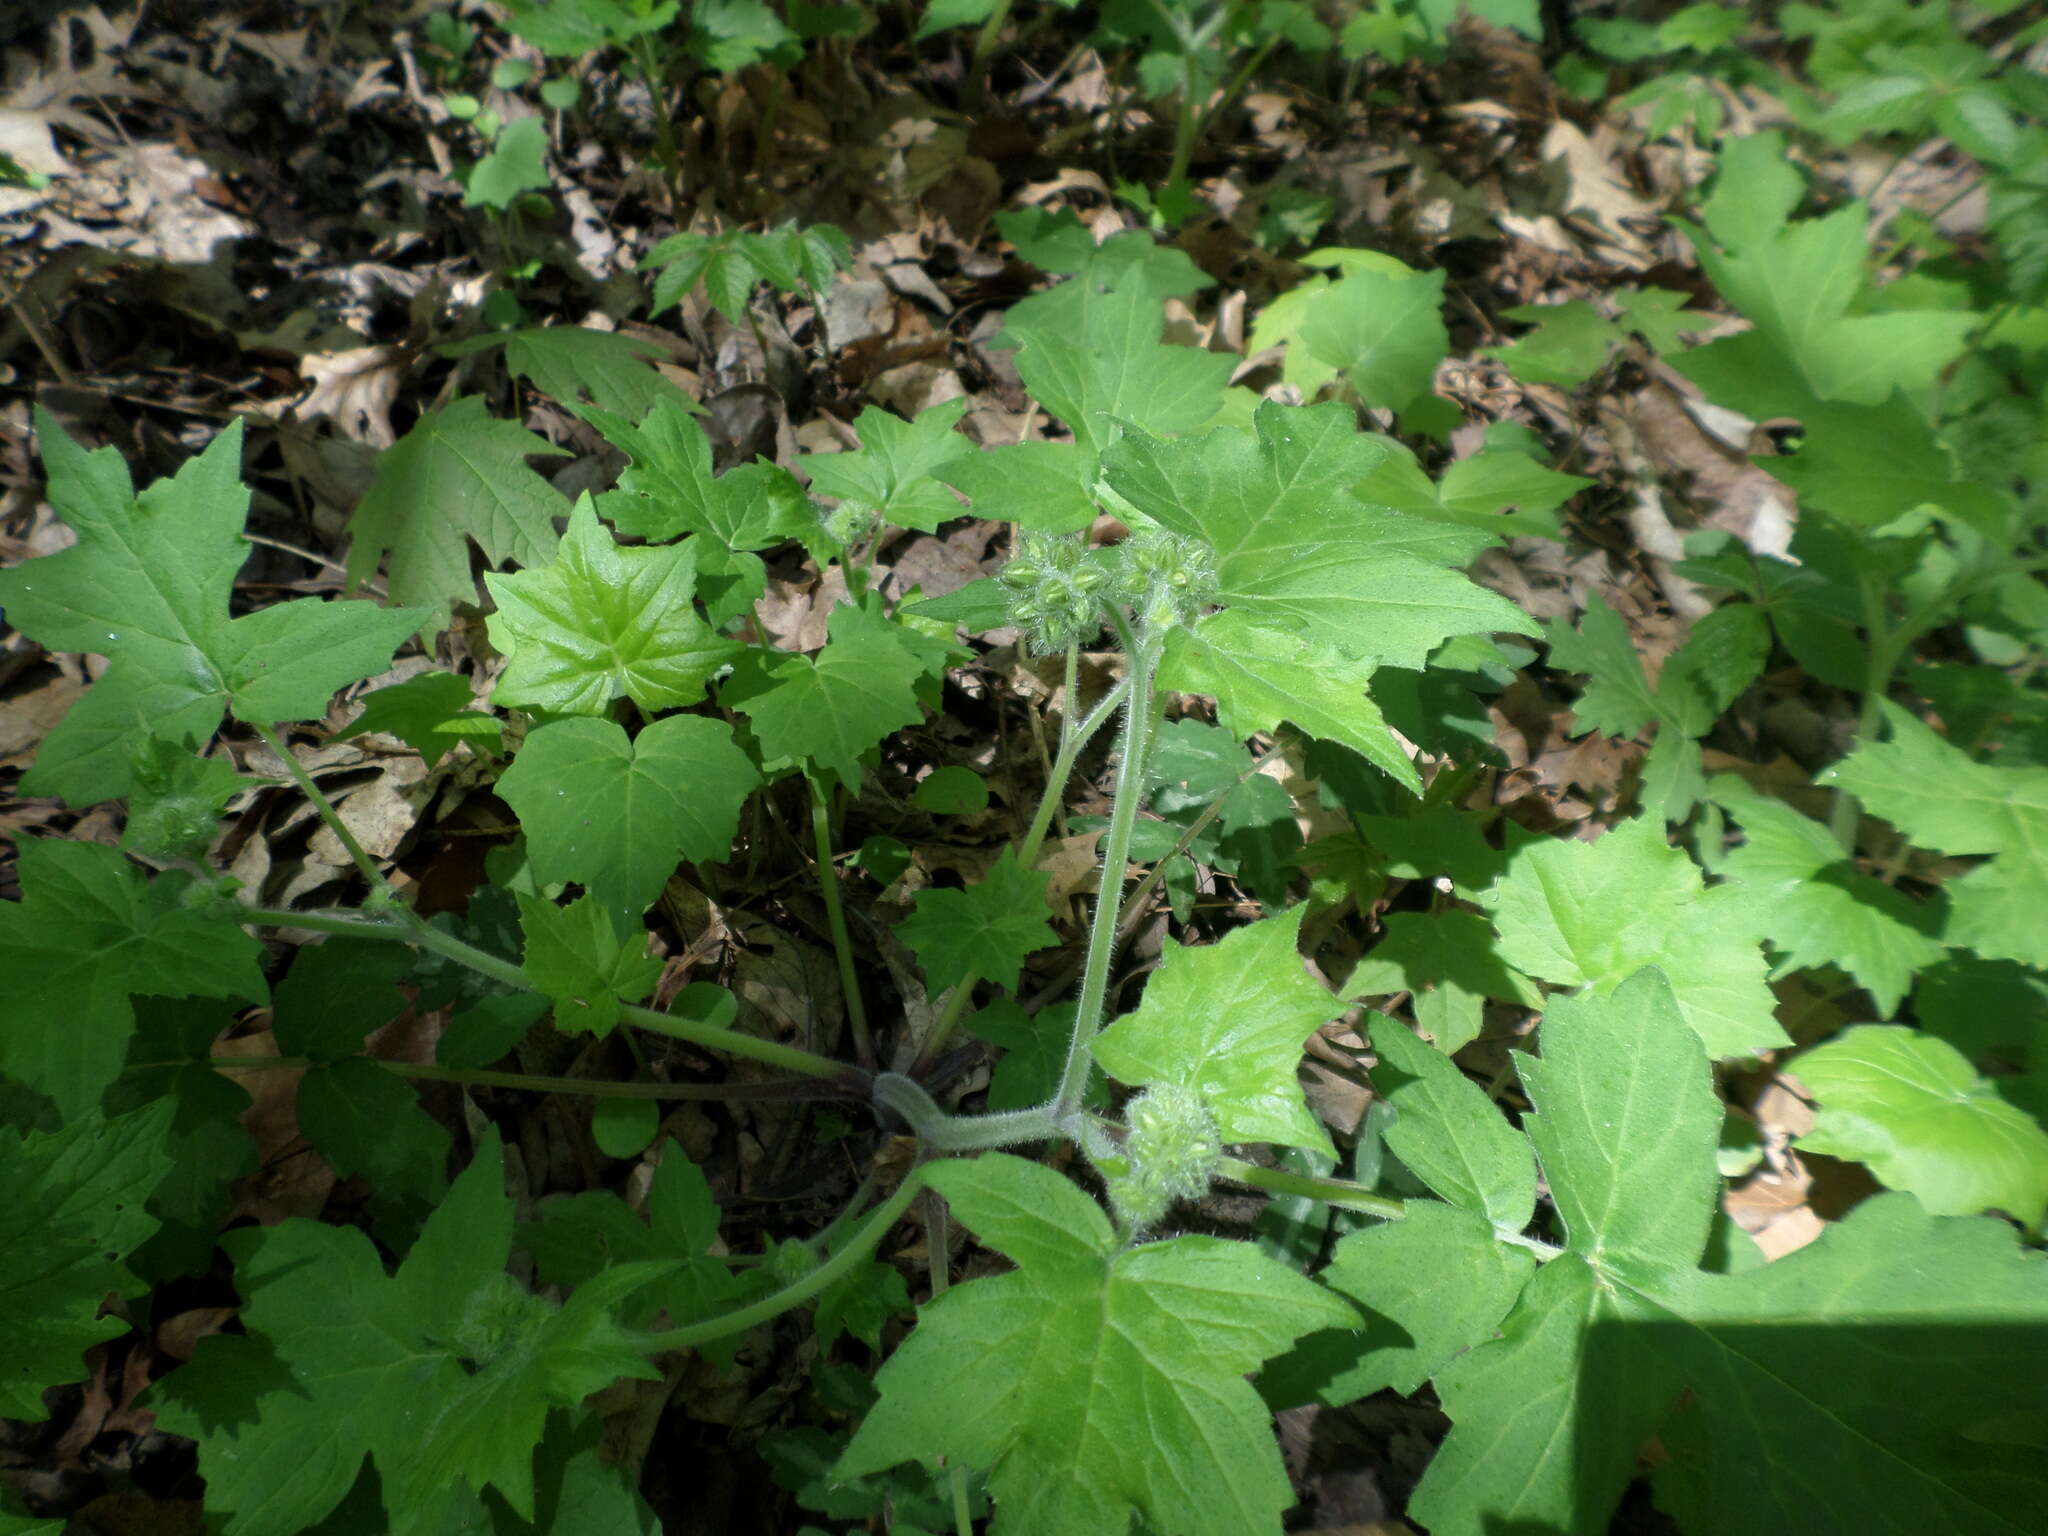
(458, 476)
(1448, 1133)
(1228, 1020)
(891, 473)
(1386, 332)
(1911, 1107)
(1094, 1382)
(601, 622)
(1041, 487)
(617, 816)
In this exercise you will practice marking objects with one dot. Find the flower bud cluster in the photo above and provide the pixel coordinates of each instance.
(1056, 592)
(1167, 579)
(1171, 1152)
(849, 523)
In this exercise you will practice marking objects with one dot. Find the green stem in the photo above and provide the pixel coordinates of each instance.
(325, 807)
(905, 1098)
(835, 917)
(1072, 743)
(984, 49)
(1343, 1192)
(840, 1264)
(676, 1026)
(1143, 651)
(523, 1081)
(666, 149)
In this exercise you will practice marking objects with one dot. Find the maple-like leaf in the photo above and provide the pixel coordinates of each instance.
(74, 1210)
(1386, 331)
(1943, 800)
(1911, 1107)
(579, 958)
(1041, 487)
(432, 712)
(616, 815)
(985, 930)
(1228, 1020)
(90, 933)
(147, 586)
(1823, 910)
(459, 475)
(570, 361)
(1593, 914)
(600, 622)
(1448, 1132)
(1295, 549)
(1094, 1381)
(827, 711)
(669, 489)
(443, 1374)
(1260, 675)
(891, 473)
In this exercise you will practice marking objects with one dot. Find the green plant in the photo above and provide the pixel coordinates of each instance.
(1561, 1274)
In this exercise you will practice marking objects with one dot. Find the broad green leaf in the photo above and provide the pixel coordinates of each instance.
(1624, 1104)
(985, 930)
(1260, 675)
(1886, 1379)
(1386, 332)
(1448, 955)
(1942, 800)
(147, 585)
(1593, 914)
(891, 473)
(580, 1236)
(368, 1123)
(572, 361)
(578, 957)
(1415, 1323)
(74, 1211)
(90, 933)
(1912, 1108)
(1107, 367)
(669, 488)
(568, 29)
(1094, 1382)
(1448, 1133)
(1545, 1427)
(1041, 487)
(1567, 345)
(1476, 491)
(338, 992)
(517, 163)
(827, 711)
(443, 1374)
(731, 35)
(1296, 549)
(617, 816)
(600, 622)
(1869, 463)
(433, 713)
(459, 475)
(1228, 1020)
(1823, 910)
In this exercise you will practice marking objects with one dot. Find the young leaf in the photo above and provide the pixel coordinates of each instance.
(1041, 487)
(1386, 332)
(432, 713)
(830, 710)
(577, 956)
(669, 488)
(1593, 914)
(987, 929)
(90, 933)
(1094, 1382)
(1295, 549)
(443, 1374)
(1448, 956)
(1942, 800)
(891, 472)
(1910, 1107)
(1261, 675)
(571, 361)
(1823, 910)
(1448, 1133)
(616, 816)
(458, 475)
(1228, 1020)
(601, 621)
(147, 586)
(74, 1211)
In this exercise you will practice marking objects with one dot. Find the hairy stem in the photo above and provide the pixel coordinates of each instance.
(1280, 1181)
